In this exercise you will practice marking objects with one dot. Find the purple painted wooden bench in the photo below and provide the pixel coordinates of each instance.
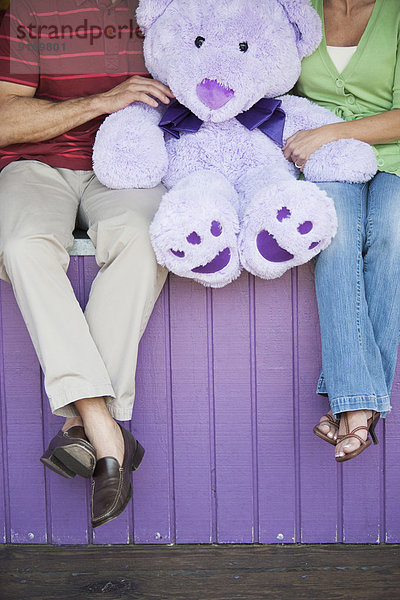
(225, 407)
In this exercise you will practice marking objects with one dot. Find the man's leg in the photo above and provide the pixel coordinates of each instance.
(121, 300)
(37, 215)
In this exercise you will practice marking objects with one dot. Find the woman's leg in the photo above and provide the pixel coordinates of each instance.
(353, 375)
(382, 288)
(382, 267)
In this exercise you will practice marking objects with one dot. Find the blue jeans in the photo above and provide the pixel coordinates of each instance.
(357, 281)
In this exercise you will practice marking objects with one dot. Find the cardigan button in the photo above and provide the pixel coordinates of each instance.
(381, 162)
(339, 83)
(351, 99)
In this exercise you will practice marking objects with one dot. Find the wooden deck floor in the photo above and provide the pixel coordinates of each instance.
(245, 572)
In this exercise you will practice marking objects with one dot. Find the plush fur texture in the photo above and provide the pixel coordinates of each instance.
(233, 199)
(136, 159)
(304, 18)
(148, 12)
(210, 198)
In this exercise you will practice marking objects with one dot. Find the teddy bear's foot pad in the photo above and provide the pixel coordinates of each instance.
(269, 248)
(194, 233)
(220, 262)
(284, 226)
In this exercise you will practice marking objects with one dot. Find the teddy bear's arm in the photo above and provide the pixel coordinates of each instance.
(129, 151)
(346, 160)
(303, 114)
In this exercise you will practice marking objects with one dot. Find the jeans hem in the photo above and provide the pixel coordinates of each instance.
(380, 404)
(321, 387)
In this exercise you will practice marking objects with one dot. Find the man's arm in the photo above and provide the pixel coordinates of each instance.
(25, 119)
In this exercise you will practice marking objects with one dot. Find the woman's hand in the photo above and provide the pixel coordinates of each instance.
(301, 145)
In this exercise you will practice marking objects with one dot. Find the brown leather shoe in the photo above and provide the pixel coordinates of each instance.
(55, 465)
(112, 487)
(70, 453)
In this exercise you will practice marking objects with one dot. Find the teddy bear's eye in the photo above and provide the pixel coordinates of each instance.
(243, 46)
(199, 41)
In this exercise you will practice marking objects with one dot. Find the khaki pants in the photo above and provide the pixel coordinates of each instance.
(90, 354)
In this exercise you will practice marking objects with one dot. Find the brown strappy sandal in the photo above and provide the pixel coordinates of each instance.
(370, 428)
(330, 420)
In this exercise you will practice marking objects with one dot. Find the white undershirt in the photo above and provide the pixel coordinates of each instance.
(341, 56)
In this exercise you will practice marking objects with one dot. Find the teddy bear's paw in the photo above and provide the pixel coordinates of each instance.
(129, 153)
(349, 161)
(285, 225)
(194, 233)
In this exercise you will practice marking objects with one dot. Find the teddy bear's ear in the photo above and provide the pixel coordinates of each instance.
(307, 24)
(148, 11)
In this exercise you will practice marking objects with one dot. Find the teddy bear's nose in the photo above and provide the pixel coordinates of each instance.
(214, 94)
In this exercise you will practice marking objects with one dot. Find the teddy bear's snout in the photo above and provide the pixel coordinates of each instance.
(214, 94)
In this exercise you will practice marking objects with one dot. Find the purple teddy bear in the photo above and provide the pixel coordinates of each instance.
(233, 200)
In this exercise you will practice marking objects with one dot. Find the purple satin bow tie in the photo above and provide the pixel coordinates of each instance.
(265, 115)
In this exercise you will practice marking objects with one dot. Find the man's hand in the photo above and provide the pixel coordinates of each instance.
(135, 89)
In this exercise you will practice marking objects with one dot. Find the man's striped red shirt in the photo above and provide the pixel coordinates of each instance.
(68, 49)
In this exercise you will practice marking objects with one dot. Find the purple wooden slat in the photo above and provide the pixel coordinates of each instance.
(146, 521)
(361, 498)
(152, 499)
(277, 498)
(119, 530)
(116, 531)
(152, 520)
(88, 270)
(363, 494)
(192, 433)
(4, 499)
(67, 499)
(318, 468)
(391, 514)
(233, 415)
(24, 428)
